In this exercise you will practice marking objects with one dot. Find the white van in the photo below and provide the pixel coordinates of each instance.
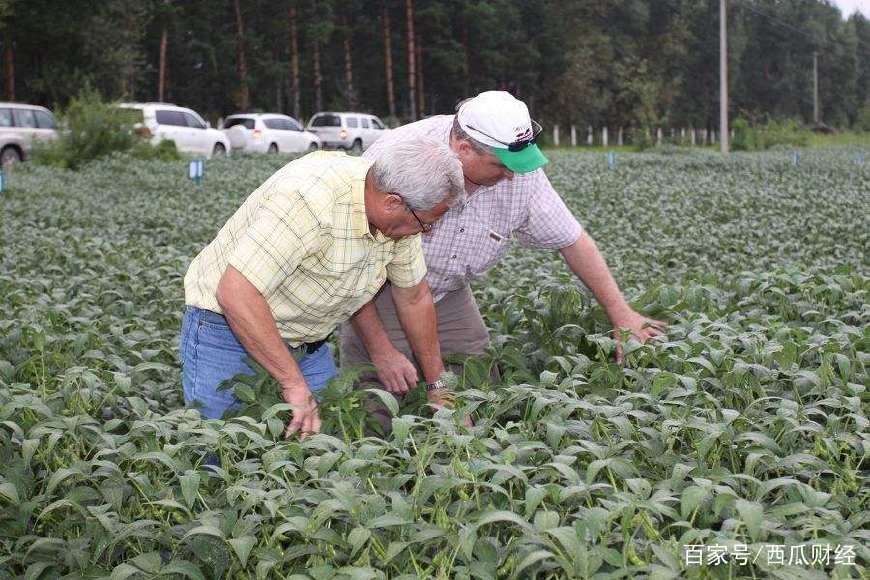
(191, 134)
(268, 133)
(20, 126)
(350, 131)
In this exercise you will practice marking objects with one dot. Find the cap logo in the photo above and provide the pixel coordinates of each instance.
(524, 134)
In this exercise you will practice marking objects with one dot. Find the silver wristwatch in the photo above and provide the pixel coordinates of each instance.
(439, 384)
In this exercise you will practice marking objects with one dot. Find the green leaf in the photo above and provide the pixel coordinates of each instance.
(204, 531)
(393, 550)
(242, 547)
(183, 568)
(386, 521)
(387, 399)
(10, 492)
(189, 487)
(503, 516)
(357, 539)
(752, 514)
(124, 571)
(244, 393)
(148, 562)
(531, 559)
(37, 569)
(467, 540)
(691, 499)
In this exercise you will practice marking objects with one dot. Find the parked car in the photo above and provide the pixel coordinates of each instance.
(268, 133)
(352, 131)
(165, 121)
(20, 126)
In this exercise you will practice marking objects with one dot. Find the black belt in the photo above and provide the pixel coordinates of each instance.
(312, 347)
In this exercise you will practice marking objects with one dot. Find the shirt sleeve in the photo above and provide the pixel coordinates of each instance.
(408, 267)
(282, 233)
(550, 225)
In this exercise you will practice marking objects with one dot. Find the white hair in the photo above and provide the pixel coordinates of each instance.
(422, 171)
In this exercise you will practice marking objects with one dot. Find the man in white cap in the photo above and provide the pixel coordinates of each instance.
(508, 197)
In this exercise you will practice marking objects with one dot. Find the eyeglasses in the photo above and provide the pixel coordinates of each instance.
(516, 145)
(425, 228)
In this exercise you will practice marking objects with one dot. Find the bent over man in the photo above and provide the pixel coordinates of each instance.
(509, 198)
(305, 250)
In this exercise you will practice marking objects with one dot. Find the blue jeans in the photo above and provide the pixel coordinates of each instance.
(211, 354)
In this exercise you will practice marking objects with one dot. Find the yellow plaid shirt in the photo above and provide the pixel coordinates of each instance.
(302, 238)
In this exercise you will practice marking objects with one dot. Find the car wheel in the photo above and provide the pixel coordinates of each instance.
(9, 157)
(273, 148)
(313, 147)
(219, 150)
(357, 146)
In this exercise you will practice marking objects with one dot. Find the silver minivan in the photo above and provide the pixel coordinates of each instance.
(350, 131)
(20, 126)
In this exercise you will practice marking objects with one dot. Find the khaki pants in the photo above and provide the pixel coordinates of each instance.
(460, 331)
(460, 328)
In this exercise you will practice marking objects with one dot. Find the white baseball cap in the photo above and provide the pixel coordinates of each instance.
(497, 119)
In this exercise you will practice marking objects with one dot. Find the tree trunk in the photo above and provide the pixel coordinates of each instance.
(348, 66)
(421, 102)
(318, 81)
(294, 63)
(161, 82)
(467, 59)
(388, 62)
(412, 72)
(244, 100)
(9, 68)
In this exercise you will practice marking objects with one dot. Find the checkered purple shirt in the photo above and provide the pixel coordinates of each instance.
(471, 238)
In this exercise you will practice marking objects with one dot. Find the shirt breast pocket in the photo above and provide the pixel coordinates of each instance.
(493, 248)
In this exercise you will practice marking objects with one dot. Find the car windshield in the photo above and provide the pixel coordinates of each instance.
(246, 123)
(326, 121)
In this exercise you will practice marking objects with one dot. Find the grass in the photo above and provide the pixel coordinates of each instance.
(746, 428)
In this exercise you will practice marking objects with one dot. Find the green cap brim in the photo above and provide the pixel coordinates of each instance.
(523, 161)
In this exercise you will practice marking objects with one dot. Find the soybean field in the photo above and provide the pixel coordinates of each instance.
(737, 447)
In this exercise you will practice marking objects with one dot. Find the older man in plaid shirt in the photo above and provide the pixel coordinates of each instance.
(508, 197)
(305, 250)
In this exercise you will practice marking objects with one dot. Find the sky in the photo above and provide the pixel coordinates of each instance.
(847, 7)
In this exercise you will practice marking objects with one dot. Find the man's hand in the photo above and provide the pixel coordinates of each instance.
(641, 328)
(306, 417)
(395, 371)
(445, 398)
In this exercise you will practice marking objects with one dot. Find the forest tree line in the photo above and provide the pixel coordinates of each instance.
(640, 63)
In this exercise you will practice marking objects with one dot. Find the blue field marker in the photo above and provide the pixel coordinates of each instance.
(611, 159)
(196, 170)
(2, 181)
(796, 158)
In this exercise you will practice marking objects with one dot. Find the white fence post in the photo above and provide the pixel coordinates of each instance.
(604, 136)
(556, 135)
(573, 136)
(692, 136)
(619, 140)
(658, 136)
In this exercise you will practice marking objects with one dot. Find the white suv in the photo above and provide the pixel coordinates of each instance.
(268, 133)
(353, 131)
(164, 121)
(20, 126)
